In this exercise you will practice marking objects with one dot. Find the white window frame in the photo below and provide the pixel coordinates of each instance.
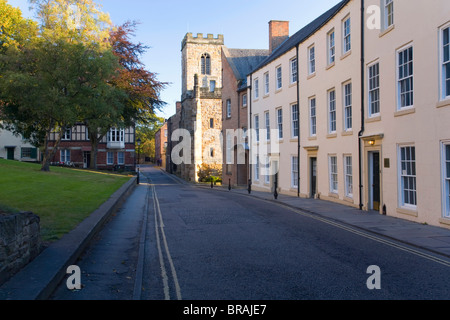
(388, 16)
(402, 79)
(267, 122)
(312, 116)
(347, 96)
(228, 106)
(67, 135)
(266, 83)
(109, 154)
(244, 100)
(332, 112)
(279, 73)
(312, 60)
(331, 45)
(373, 83)
(295, 125)
(348, 174)
(445, 74)
(65, 155)
(280, 123)
(116, 135)
(256, 123)
(294, 75)
(267, 173)
(257, 168)
(333, 174)
(346, 35)
(256, 88)
(121, 158)
(445, 180)
(294, 171)
(409, 175)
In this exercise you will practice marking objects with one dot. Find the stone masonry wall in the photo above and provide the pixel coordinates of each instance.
(20, 242)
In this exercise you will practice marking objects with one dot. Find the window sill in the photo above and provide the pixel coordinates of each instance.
(279, 90)
(312, 138)
(408, 211)
(331, 65)
(373, 119)
(386, 31)
(347, 133)
(345, 55)
(331, 135)
(404, 111)
(443, 103)
(293, 140)
(312, 75)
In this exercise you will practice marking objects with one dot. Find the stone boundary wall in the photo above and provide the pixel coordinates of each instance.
(20, 242)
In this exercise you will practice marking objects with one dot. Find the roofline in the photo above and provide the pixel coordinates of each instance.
(274, 54)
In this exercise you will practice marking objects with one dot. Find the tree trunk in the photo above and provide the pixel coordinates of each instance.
(49, 154)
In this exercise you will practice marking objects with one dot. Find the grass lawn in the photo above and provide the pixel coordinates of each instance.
(62, 198)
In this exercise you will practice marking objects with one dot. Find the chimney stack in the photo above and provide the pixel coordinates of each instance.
(278, 33)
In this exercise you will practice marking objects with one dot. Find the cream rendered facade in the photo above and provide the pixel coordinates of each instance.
(411, 130)
(14, 147)
(374, 124)
(266, 104)
(304, 166)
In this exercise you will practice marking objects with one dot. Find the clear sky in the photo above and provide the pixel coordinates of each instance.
(164, 23)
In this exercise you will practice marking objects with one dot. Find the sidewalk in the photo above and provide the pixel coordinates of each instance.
(431, 238)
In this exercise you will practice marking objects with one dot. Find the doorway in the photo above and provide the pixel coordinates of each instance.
(313, 175)
(10, 153)
(86, 159)
(374, 181)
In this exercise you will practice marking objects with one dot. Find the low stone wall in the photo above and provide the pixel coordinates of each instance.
(20, 242)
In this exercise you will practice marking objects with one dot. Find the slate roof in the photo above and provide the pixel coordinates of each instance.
(302, 35)
(242, 62)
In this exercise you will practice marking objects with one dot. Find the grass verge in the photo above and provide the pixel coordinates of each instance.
(62, 198)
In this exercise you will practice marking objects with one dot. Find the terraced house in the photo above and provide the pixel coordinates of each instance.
(354, 108)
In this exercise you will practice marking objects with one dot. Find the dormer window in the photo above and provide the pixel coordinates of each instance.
(206, 64)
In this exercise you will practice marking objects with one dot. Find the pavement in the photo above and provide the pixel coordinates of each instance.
(40, 277)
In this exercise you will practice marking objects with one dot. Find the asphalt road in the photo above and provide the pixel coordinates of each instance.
(173, 241)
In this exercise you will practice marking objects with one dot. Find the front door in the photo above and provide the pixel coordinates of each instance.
(313, 175)
(86, 159)
(10, 153)
(374, 181)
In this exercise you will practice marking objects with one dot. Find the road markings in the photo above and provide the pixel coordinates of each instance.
(158, 214)
(372, 237)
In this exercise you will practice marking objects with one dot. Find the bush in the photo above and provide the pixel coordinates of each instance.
(207, 173)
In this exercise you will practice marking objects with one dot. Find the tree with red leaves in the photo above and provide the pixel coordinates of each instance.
(141, 85)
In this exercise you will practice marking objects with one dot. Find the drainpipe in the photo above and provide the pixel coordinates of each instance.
(361, 132)
(298, 104)
(249, 135)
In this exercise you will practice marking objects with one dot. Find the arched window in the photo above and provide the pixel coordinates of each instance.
(206, 64)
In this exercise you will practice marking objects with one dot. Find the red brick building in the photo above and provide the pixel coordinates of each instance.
(236, 64)
(161, 145)
(116, 151)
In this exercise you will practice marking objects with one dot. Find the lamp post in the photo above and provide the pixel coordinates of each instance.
(138, 160)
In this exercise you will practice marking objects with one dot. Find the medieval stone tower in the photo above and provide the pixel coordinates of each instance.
(201, 101)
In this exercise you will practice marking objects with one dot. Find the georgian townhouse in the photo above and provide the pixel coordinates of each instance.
(406, 138)
(302, 102)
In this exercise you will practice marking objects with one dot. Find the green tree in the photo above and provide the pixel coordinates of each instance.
(47, 86)
(14, 29)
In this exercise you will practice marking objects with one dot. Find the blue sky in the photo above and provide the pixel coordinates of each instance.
(164, 23)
